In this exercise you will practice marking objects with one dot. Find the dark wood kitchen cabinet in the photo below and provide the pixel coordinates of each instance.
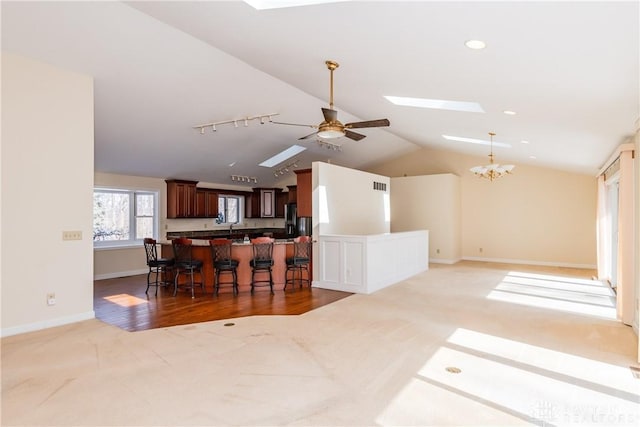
(181, 198)
(206, 203)
(263, 203)
(304, 192)
(281, 201)
(292, 195)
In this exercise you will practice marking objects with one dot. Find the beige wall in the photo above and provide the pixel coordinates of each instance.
(352, 205)
(537, 215)
(430, 202)
(47, 184)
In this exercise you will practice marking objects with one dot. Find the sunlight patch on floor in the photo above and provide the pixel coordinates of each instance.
(580, 296)
(510, 382)
(126, 300)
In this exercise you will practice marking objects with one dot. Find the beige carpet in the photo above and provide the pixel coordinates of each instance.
(533, 346)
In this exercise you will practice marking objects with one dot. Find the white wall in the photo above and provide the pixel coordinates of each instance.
(430, 202)
(535, 216)
(344, 201)
(47, 187)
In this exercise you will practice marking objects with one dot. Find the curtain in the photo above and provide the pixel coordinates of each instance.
(603, 225)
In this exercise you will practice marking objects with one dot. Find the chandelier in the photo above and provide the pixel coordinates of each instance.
(492, 170)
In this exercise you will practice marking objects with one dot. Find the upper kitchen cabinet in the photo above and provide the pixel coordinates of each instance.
(206, 203)
(181, 198)
(262, 203)
(303, 190)
(281, 201)
(292, 194)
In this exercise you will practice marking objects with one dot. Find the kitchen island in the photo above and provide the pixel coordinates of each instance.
(243, 252)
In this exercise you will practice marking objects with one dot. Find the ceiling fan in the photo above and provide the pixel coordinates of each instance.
(331, 127)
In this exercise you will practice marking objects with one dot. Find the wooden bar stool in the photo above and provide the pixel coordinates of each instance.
(262, 262)
(223, 264)
(184, 263)
(299, 262)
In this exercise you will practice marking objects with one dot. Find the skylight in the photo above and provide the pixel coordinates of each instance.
(282, 156)
(276, 4)
(439, 104)
(476, 141)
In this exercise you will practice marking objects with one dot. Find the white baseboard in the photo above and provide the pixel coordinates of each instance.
(120, 274)
(443, 261)
(45, 324)
(529, 262)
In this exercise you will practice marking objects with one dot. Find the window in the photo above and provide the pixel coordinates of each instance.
(229, 209)
(123, 217)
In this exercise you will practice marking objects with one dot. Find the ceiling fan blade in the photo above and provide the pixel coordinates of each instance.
(354, 135)
(294, 124)
(368, 124)
(329, 115)
(308, 136)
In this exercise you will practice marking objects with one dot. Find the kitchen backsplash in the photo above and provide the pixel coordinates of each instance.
(198, 224)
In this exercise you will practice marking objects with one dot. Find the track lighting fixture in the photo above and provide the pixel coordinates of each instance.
(246, 120)
(286, 168)
(328, 145)
(244, 178)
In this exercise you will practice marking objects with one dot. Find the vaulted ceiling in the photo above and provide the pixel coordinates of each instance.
(569, 70)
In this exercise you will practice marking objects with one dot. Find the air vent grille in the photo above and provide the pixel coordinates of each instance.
(380, 186)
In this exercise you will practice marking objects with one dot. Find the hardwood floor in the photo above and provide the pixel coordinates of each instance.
(122, 302)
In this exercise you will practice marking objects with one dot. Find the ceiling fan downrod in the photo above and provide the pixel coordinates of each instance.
(331, 65)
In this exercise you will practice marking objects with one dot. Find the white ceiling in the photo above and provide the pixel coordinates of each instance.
(569, 69)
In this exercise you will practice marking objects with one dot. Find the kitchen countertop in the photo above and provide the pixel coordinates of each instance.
(205, 242)
(224, 232)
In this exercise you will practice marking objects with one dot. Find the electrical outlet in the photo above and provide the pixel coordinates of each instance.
(51, 299)
(437, 251)
(205, 225)
(480, 250)
(72, 235)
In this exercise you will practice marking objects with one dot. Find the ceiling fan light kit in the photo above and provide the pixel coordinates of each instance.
(493, 170)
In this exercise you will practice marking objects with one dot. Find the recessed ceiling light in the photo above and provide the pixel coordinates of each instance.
(476, 141)
(475, 44)
(282, 156)
(533, 157)
(232, 164)
(438, 104)
(524, 142)
(509, 112)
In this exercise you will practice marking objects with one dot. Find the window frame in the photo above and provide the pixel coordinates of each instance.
(133, 210)
(241, 202)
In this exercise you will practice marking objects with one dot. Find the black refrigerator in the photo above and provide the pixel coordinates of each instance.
(291, 219)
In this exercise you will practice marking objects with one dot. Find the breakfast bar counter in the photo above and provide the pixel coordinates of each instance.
(243, 253)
